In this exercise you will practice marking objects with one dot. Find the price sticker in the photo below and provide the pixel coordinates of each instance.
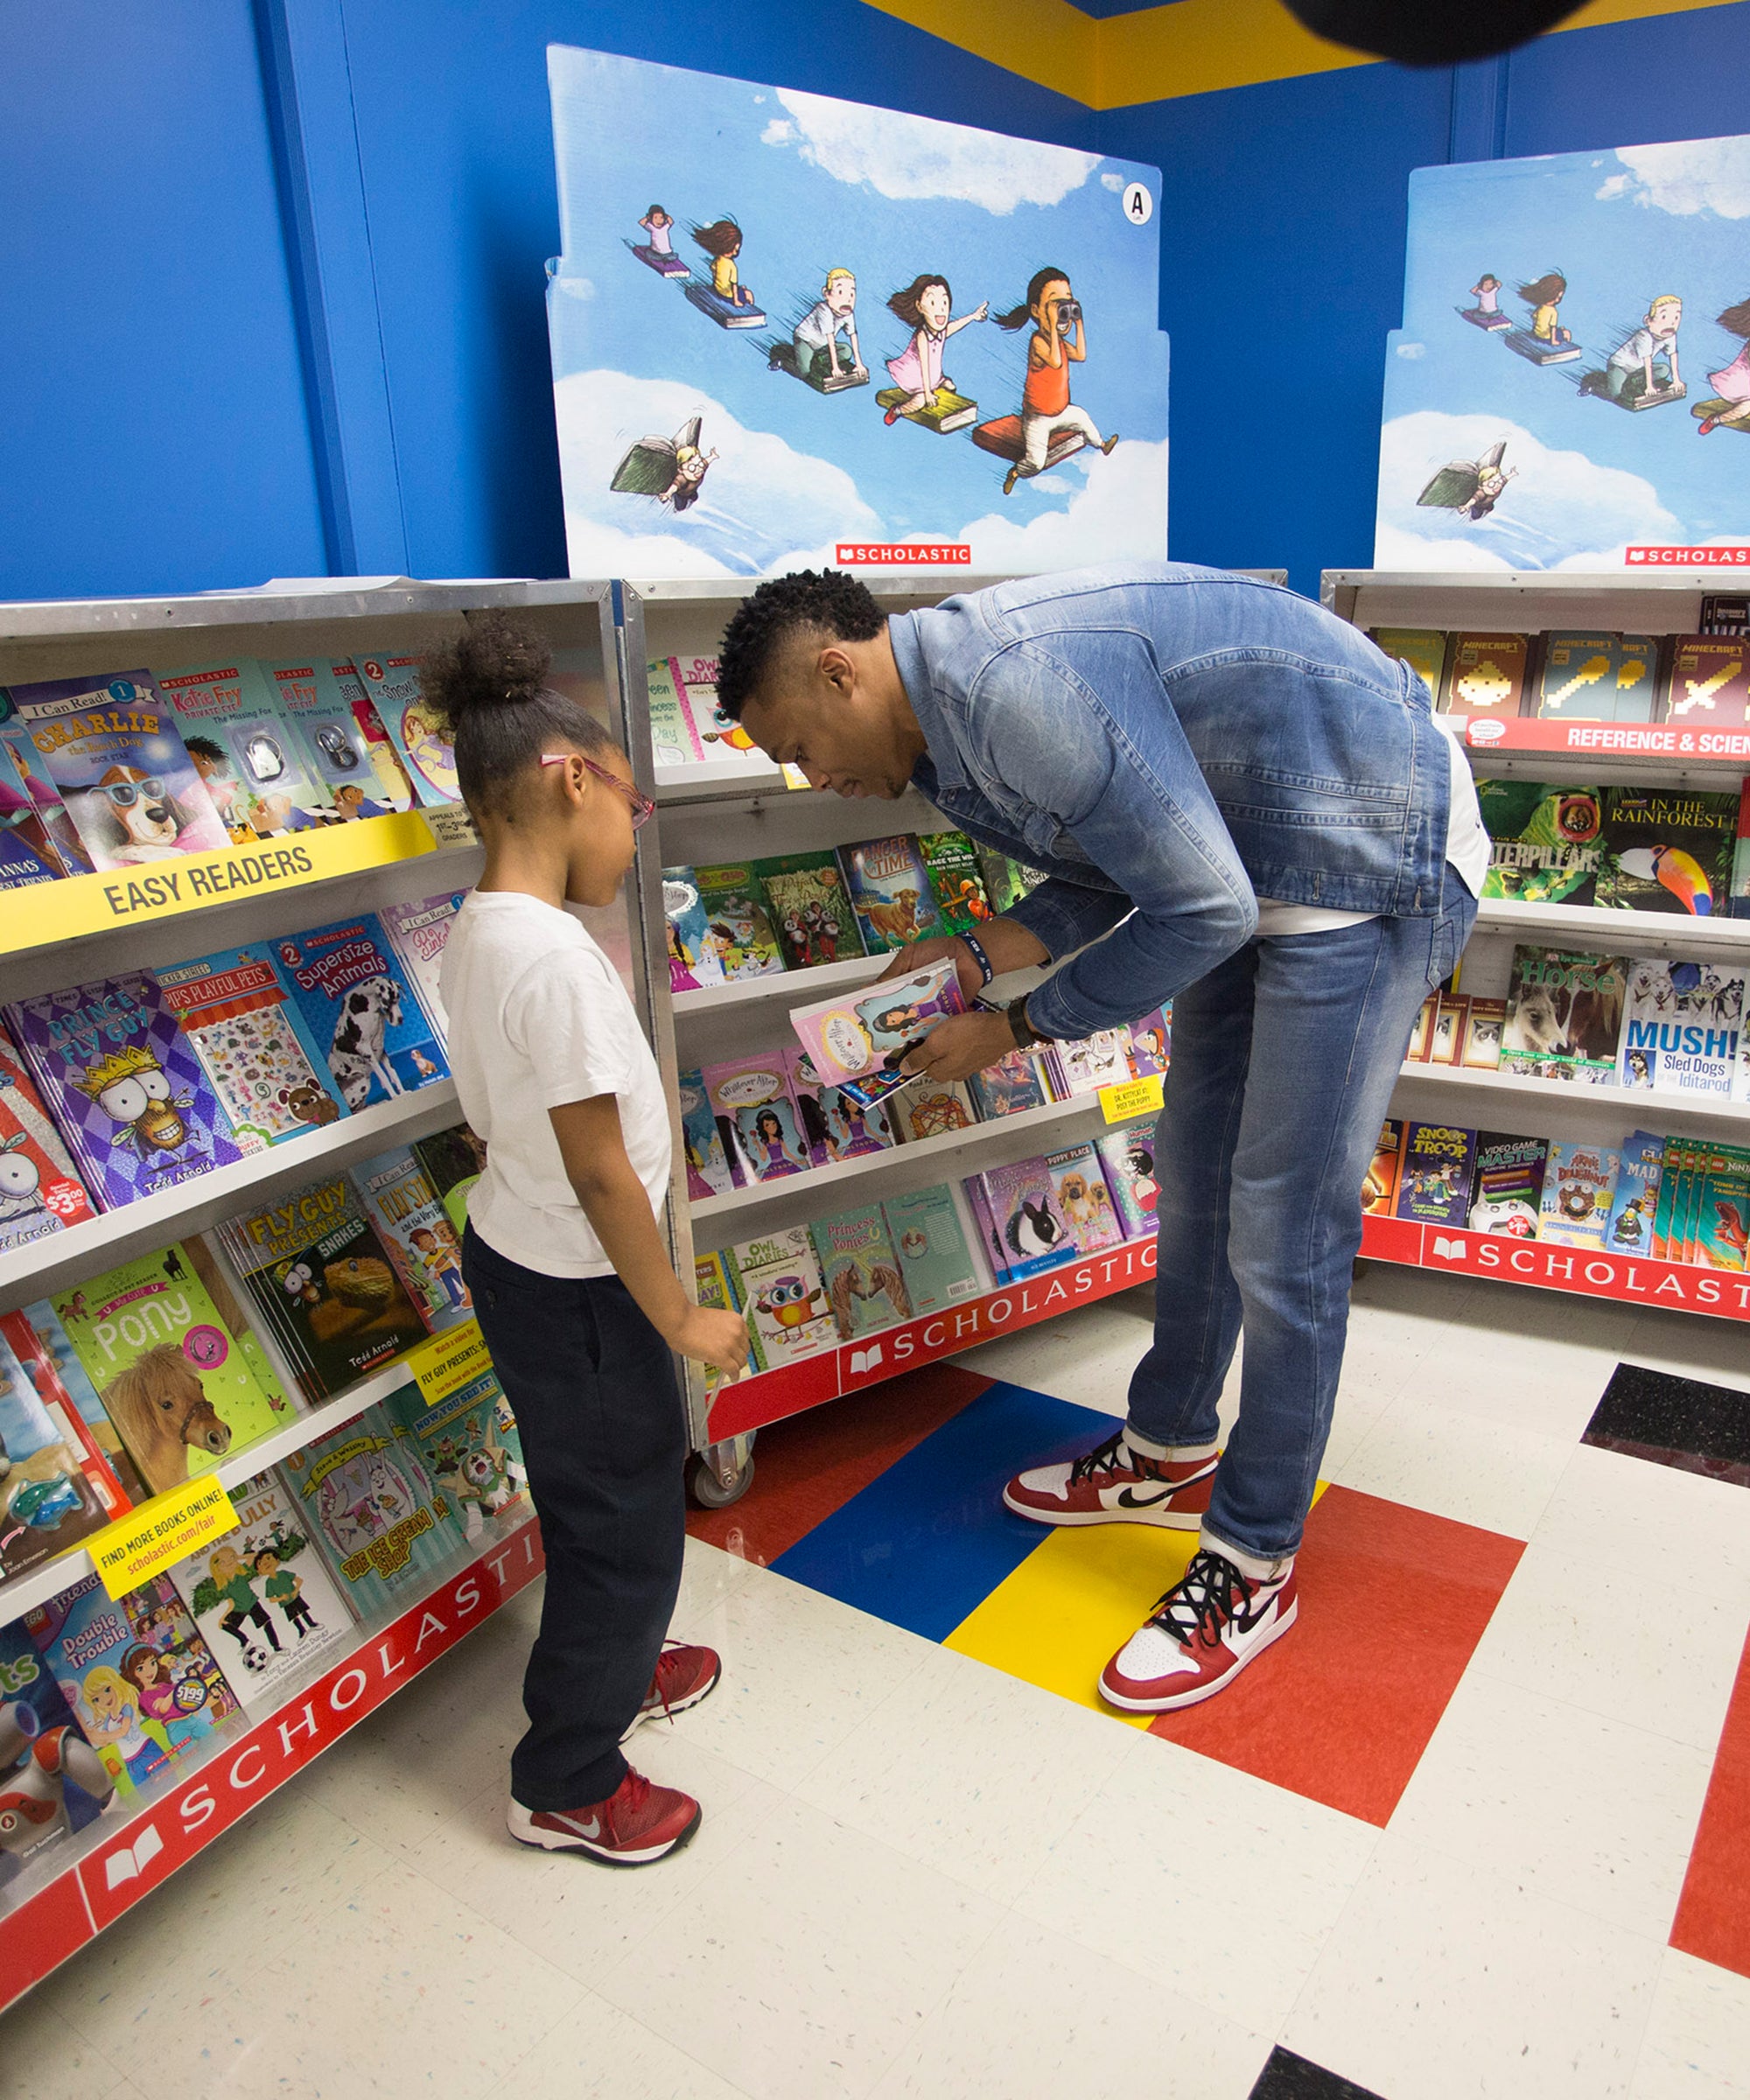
(1134, 1097)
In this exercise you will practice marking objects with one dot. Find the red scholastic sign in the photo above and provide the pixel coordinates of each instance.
(1687, 557)
(1627, 739)
(904, 554)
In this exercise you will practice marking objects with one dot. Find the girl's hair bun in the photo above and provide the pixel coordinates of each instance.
(492, 660)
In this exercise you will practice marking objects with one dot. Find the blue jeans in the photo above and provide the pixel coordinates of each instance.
(1284, 1058)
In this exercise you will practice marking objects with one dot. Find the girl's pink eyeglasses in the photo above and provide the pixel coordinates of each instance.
(642, 808)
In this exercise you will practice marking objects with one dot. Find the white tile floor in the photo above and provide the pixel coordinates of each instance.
(917, 1877)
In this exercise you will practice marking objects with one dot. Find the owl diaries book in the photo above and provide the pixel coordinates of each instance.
(865, 1285)
(415, 1234)
(379, 1520)
(1666, 851)
(889, 884)
(254, 1045)
(40, 1191)
(125, 1085)
(360, 1010)
(1545, 841)
(936, 1263)
(778, 1276)
(245, 748)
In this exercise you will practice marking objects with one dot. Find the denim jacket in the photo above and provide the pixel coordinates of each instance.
(1168, 744)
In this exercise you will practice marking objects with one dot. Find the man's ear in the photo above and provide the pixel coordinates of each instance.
(836, 667)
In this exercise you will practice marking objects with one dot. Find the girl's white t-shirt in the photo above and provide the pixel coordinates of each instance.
(538, 1018)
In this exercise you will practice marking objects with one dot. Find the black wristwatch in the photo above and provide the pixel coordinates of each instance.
(1026, 1036)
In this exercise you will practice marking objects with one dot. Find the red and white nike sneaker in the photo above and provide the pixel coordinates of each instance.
(1114, 1485)
(1210, 1625)
(638, 1825)
(685, 1676)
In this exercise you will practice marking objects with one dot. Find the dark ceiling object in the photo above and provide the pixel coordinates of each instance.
(1432, 32)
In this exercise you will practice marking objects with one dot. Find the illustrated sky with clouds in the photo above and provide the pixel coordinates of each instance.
(816, 182)
(1622, 226)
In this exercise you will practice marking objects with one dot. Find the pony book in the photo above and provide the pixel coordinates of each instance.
(856, 1041)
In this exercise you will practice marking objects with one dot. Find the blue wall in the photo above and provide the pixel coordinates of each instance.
(274, 287)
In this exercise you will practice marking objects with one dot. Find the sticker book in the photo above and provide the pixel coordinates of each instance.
(125, 1086)
(809, 909)
(379, 1520)
(112, 749)
(1434, 1178)
(244, 748)
(1564, 1016)
(865, 1285)
(416, 1234)
(1666, 851)
(708, 1165)
(740, 920)
(778, 1277)
(694, 960)
(889, 884)
(936, 1263)
(1507, 1188)
(417, 933)
(40, 1191)
(1546, 841)
(468, 1444)
(1128, 1156)
(362, 1010)
(752, 1097)
(1579, 1182)
(254, 1045)
(1079, 1181)
(1681, 1027)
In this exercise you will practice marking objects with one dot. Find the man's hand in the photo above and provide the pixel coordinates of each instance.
(712, 1337)
(962, 1045)
(946, 948)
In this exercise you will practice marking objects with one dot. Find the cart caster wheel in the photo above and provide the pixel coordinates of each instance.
(708, 1491)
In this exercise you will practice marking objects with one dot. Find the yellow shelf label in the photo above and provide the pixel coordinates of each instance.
(446, 1362)
(1134, 1097)
(148, 1539)
(50, 912)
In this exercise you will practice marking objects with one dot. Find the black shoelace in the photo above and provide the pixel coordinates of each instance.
(1211, 1592)
(1105, 1459)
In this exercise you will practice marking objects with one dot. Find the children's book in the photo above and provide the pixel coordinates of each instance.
(1507, 1188)
(361, 1008)
(469, 1447)
(1486, 676)
(857, 1041)
(1667, 850)
(40, 1191)
(835, 1124)
(937, 1265)
(415, 727)
(1447, 1030)
(709, 1173)
(860, 1272)
(809, 909)
(1379, 1190)
(931, 1108)
(263, 1597)
(124, 1084)
(1681, 1027)
(175, 1365)
(27, 770)
(322, 1280)
(1484, 1023)
(1629, 1229)
(1422, 648)
(112, 748)
(1079, 1181)
(955, 880)
(714, 1288)
(752, 1098)
(1014, 1084)
(1721, 1233)
(1027, 1232)
(1579, 1183)
(251, 758)
(254, 1045)
(1434, 1178)
(1595, 677)
(1546, 841)
(889, 883)
(1564, 1016)
(720, 739)
(778, 1277)
(738, 922)
(416, 1235)
(52, 1780)
(392, 785)
(694, 961)
(1128, 1156)
(314, 701)
(1087, 1063)
(39, 1342)
(453, 1160)
(1006, 880)
(672, 738)
(1673, 1165)
(47, 1500)
(28, 853)
(418, 932)
(1151, 1046)
(378, 1519)
(1709, 687)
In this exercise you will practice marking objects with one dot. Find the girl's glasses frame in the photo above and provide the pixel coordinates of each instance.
(642, 808)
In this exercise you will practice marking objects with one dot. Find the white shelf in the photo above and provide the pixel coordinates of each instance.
(1594, 931)
(720, 781)
(786, 987)
(1640, 1106)
(45, 1266)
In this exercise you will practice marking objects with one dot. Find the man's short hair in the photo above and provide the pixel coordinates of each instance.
(828, 602)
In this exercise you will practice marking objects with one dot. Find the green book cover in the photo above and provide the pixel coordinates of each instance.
(1668, 850)
(1006, 880)
(453, 1161)
(810, 913)
(739, 915)
(935, 1261)
(174, 1376)
(1564, 1016)
(468, 1443)
(955, 879)
(865, 1285)
(1722, 1223)
(1545, 840)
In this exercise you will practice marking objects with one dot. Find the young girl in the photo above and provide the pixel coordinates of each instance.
(1543, 295)
(1057, 343)
(1732, 384)
(722, 242)
(925, 306)
(562, 1254)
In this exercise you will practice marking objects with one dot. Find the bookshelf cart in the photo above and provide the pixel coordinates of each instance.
(1660, 754)
(73, 931)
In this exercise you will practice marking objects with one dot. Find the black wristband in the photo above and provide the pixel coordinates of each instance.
(1026, 1036)
(975, 947)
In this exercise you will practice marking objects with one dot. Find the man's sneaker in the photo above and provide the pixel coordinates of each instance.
(1210, 1625)
(636, 1825)
(685, 1676)
(1115, 1485)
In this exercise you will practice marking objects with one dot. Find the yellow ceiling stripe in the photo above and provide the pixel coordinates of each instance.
(1191, 47)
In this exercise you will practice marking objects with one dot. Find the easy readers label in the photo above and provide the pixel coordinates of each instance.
(49, 912)
(448, 1362)
(1133, 1097)
(147, 1540)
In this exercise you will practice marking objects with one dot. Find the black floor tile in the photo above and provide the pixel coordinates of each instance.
(1675, 1421)
(1287, 2077)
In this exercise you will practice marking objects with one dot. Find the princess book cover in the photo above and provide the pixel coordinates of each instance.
(752, 1098)
(694, 961)
(708, 1165)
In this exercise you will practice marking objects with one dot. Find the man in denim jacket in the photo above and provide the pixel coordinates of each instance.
(1240, 805)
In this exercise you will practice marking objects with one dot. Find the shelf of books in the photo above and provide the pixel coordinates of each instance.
(1575, 1113)
(254, 1469)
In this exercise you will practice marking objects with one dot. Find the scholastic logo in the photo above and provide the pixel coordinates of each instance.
(904, 554)
(1687, 557)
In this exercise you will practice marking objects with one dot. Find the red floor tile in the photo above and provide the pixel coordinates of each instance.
(808, 1466)
(1713, 1912)
(1392, 1603)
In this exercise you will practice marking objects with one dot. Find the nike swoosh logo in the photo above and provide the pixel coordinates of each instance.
(590, 1828)
(1129, 1499)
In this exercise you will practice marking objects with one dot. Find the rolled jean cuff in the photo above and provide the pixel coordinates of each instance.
(1255, 1567)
